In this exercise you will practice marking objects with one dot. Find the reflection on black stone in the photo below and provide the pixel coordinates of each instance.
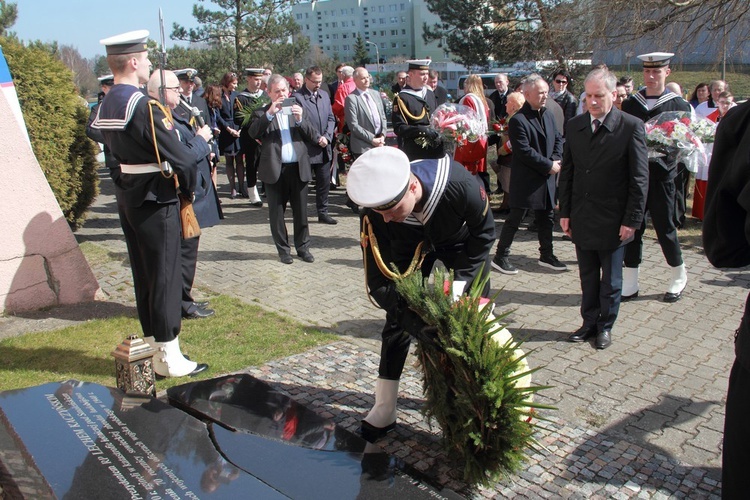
(257, 425)
(90, 441)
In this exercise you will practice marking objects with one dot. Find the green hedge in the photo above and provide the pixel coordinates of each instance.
(56, 121)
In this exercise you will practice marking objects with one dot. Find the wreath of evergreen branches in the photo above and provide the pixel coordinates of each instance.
(470, 380)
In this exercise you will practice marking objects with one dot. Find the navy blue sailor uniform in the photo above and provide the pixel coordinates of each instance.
(411, 119)
(147, 201)
(458, 229)
(660, 202)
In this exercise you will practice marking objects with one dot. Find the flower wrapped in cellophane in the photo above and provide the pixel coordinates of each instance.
(456, 125)
(671, 140)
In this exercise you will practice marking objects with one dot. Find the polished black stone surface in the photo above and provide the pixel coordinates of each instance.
(88, 441)
(290, 447)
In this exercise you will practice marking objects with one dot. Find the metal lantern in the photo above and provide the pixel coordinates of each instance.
(134, 366)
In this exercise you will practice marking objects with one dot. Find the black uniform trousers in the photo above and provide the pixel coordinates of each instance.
(396, 331)
(660, 204)
(288, 189)
(545, 221)
(189, 260)
(152, 234)
(600, 272)
(250, 150)
(681, 181)
(322, 174)
(735, 458)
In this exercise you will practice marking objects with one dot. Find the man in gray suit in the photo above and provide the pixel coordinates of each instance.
(603, 186)
(284, 166)
(365, 115)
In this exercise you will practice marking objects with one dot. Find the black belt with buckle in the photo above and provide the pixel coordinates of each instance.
(293, 164)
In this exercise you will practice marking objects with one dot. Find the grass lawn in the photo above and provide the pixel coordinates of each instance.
(238, 336)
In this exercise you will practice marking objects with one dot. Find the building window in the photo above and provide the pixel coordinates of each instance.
(393, 7)
(382, 45)
(403, 32)
(344, 36)
(403, 6)
(334, 25)
(344, 24)
(394, 45)
(345, 47)
(382, 33)
(328, 37)
(299, 16)
(394, 20)
(381, 8)
(335, 36)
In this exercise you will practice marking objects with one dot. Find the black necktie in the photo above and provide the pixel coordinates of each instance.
(596, 123)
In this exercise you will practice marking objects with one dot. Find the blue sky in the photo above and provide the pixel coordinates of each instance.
(82, 23)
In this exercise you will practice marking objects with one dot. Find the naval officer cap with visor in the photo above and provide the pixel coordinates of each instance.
(656, 59)
(379, 178)
(131, 42)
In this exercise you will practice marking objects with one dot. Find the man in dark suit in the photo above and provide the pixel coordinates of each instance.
(726, 238)
(537, 152)
(441, 94)
(284, 166)
(603, 185)
(205, 201)
(500, 96)
(645, 104)
(317, 109)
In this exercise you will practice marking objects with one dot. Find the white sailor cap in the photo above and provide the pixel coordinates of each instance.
(379, 178)
(656, 59)
(126, 43)
(187, 74)
(253, 71)
(107, 80)
(419, 64)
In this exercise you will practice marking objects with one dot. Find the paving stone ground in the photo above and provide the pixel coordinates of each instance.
(641, 419)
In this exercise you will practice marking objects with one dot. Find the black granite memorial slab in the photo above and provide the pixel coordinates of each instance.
(291, 448)
(88, 442)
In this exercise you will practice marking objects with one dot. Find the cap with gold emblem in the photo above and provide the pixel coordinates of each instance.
(253, 71)
(419, 64)
(127, 43)
(656, 59)
(379, 178)
(186, 75)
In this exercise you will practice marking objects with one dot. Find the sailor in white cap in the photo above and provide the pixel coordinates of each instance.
(645, 104)
(433, 202)
(412, 108)
(141, 136)
(246, 102)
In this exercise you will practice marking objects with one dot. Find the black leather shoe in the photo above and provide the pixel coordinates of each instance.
(626, 298)
(371, 433)
(672, 297)
(199, 313)
(286, 259)
(327, 219)
(582, 334)
(202, 367)
(306, 256)
(603, 339)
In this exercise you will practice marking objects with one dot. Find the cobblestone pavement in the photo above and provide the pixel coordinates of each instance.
(642, 419)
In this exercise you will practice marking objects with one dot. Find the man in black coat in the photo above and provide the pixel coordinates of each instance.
(284, 166)
(653, 100)
(317, 107)
(603, 186)
(726, 240)
(500, 96)
(537, 152)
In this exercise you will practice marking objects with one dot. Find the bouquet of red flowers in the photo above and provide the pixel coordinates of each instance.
(671, 140)
(456, 125)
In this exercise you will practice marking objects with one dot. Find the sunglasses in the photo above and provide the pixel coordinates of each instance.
(561, 81)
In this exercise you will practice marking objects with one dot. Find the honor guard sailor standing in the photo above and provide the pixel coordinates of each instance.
(247, 102)
(412, 108)
(433, 207)
(136, 130)
(645, 104)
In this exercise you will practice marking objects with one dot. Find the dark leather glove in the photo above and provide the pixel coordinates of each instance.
(431, 134)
